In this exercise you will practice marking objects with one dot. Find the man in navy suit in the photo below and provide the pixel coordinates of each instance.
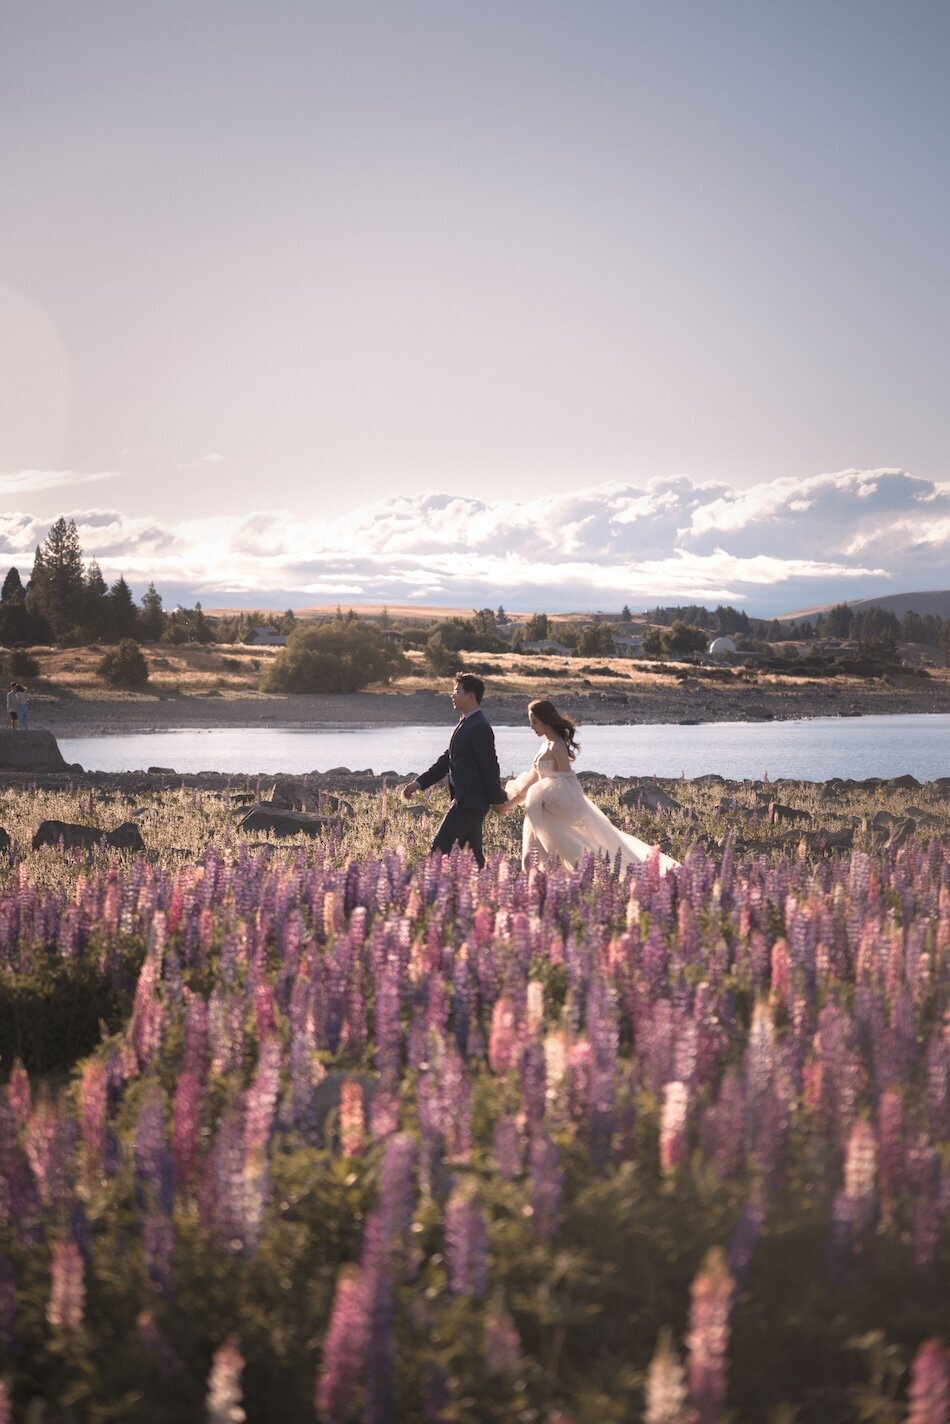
(472, 768)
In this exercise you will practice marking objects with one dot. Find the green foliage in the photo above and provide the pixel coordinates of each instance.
(20, 663)
(53, 1016)
(345, 655)
(125, 666)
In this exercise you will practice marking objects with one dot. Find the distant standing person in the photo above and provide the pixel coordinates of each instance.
(12, 708)
(471, 764)
(22, 708)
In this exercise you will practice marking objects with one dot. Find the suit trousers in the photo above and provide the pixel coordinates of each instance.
(462, 828)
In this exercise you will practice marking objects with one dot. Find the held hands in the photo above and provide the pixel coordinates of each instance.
(409, 790)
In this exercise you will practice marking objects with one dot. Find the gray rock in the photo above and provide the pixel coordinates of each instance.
(71, 837)
(31, 751)
(651, 798)
(285, 823)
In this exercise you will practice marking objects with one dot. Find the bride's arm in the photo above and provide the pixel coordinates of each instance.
(517, 788)
(562, 761)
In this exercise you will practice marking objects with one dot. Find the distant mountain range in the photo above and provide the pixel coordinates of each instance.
(935, 601)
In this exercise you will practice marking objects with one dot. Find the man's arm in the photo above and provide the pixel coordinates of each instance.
(487, 758)
(436, 772)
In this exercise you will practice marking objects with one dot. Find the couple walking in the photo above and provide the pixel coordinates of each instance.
(560, 822)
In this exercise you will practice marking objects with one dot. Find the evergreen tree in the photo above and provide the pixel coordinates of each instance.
(151, 618)
(625, 614)
(14, 619)
(60, 597)
(38, 626)
(12, 587)
(122, 621)
(200, 627)
(95, 606)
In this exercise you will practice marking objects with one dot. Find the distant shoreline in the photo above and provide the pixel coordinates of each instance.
(78, 716)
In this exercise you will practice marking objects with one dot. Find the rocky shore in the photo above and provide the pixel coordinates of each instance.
(694, 699)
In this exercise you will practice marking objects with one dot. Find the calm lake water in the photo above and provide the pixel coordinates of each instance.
(814, 750)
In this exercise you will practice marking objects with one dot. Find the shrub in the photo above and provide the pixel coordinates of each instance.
(125, 666)
(343, 656)
(20, 663)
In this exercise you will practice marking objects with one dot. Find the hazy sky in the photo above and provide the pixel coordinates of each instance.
(297, 259)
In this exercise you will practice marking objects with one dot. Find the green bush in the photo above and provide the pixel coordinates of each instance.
(125, 666)
(20, 663)
(343, 656)
(52, 1017)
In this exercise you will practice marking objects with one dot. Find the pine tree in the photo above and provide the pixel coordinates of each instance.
(14, 619)
(152, 617)
(95, 615)
(61, 596)
(123, 616)
(13, 589)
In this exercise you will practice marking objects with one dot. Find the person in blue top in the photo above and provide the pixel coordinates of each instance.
(471, 764)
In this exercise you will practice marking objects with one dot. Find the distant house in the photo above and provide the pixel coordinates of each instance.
(267, 637)
(720, 647)
(630, 644)
(547, 645)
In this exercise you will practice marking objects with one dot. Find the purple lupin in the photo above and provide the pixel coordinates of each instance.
(344, 1349)
(466, 1243)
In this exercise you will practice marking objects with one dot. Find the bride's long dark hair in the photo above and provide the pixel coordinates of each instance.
(547, 713)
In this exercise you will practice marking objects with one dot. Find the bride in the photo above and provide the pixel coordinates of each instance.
(560, 823)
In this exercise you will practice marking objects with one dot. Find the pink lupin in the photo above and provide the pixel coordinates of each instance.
(344, 1348)
(928, 1394)
(67, 1299)
(352, 1118)
(673, 1119)
(708, 1338)
(224, 1398)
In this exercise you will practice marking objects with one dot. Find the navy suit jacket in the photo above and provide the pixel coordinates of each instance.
(471, 765)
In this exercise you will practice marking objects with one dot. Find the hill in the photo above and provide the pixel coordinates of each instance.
(936, 601)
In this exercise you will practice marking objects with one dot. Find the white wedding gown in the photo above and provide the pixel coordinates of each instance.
(560, 823)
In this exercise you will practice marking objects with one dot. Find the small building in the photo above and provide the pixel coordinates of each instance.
(547, 645)
(721, 647)
(266, 637)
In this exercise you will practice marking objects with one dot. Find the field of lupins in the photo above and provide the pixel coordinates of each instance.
(334, 1131)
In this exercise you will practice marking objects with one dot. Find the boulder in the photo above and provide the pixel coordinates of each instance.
(778, 811)
(54, 833)
(285, 823)
(31, 751)
(651, 798)
(291, 795)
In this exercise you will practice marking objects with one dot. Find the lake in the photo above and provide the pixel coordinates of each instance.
(813, 750)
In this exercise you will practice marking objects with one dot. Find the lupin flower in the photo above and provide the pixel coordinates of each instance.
(352, 1120)
(344, 1348)
(708, 1338)
(67, 1298)
(466, 1243)
(6, 1404)
(928, 1394)
(547, 1184)
(224, 1398)
(503, 1040)
(503, 1349)
(673, 1119)
(860, 1170)
(666, 1395)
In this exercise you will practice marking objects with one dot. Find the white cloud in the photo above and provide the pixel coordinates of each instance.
(773, 547)
(29, 481)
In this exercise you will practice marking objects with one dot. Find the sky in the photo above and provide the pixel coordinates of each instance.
(552, 304)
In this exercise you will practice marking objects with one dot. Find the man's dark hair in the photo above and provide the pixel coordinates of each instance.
(468, 682)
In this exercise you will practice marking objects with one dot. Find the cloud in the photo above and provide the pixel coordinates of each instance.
(29, 481)
(771, 548)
